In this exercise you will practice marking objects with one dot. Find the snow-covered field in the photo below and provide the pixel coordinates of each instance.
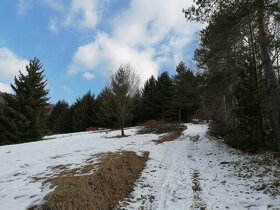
(192, 172)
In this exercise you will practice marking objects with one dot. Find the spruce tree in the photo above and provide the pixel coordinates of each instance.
(84, 114)
(148, 100)
(54, 120)
(164, 95)
(186, 97)
(25, 112)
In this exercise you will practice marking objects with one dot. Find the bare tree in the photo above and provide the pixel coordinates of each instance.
(123, 86)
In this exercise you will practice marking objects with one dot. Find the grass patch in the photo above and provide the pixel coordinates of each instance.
(104, 189)
(117, 137)
(158, 127)
(171, 136)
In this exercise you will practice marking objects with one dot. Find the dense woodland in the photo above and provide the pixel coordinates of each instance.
(236, 87)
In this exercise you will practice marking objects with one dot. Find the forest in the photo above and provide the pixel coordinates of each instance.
(235, 87)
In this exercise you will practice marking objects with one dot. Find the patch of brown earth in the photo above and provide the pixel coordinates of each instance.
(104, 189)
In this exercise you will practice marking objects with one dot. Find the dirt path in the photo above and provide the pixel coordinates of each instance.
(195, 172)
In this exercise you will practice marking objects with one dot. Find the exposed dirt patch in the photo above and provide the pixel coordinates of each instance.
(104, 189)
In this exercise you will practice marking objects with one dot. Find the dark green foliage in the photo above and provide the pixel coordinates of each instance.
(148, 103)
(169, 99)
(23, 115)
(12, 125)
(84, 113)
(55, 119)
(164, 96)
(250, 109)
(80, 116)
(186, 98)
(242, 100)
(105, 109)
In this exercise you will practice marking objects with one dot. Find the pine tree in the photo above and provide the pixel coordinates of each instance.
(25, 112)
(249, 109)
(227, 26)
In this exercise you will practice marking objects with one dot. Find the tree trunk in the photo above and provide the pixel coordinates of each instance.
(225, 108)
(269, 74)
(122, 130)
(162, 114)
(259, 126)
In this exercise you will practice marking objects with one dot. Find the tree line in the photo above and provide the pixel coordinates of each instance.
(25, 115)
(237, 86)
(122, 103)
(239, 55)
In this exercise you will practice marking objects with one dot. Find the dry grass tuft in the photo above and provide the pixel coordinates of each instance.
(171, 136)
(153, 123)
(104, 189)
(119, 136)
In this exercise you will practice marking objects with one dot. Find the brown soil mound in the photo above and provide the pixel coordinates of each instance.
(110, 184)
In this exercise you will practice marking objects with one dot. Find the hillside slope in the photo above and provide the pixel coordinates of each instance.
(188, 173)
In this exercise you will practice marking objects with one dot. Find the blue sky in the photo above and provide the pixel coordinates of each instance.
(79, 42)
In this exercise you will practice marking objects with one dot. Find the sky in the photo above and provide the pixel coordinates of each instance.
(81, 42)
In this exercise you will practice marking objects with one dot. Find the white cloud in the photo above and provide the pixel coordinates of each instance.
(5, 88)
(53, 25)
(149, 34)
(56, 5)
(23, 6)
(107, 54)
(81, 14)
(10, 64)
(88, 76)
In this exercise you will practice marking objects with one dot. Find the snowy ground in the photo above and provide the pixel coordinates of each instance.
(192, 172)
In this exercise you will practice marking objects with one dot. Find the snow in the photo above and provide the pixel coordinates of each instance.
(183, 174)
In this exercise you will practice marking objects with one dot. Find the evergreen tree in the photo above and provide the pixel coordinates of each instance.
(186, 96)
(84, 114)
(25, 112)
(230, 23)
(54, 120)
(249, 109)
(164, 96)
(148, 101)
